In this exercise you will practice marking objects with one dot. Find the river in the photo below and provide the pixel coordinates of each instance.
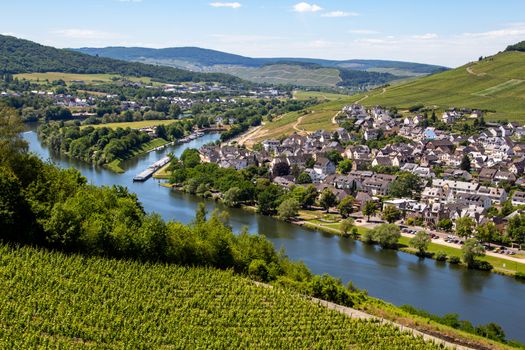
(396, 277)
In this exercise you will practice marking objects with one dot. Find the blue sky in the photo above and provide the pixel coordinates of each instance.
(447, 32)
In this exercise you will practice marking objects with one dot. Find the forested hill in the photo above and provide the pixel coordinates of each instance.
(517, 47)
(23, 56)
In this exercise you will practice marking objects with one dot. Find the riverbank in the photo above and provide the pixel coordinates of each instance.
(313, 219)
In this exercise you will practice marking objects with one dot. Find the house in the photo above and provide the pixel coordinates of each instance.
(271, 145)
(487, 174)
(371, 134)
(518, 198)
(471, 199)
(324, 166)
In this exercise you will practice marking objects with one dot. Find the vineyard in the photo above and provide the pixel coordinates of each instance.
(53, 300)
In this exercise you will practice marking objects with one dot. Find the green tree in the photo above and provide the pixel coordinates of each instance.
(487, 232)
(516, 229)
(346, 206)
(288, 209)
(304, 178)
(327, 199)
(465, 227)
(369, 209)
(445, 225)
(232, 197)
(345, 166)
(391, 214)
(387, 235)
(346, 226)
(465, 163)
(471, 250)
(406, 185)
(420, 242)
(310, 196)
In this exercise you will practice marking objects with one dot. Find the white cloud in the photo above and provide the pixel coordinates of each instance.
(306, 7)
(86, 34)
(426, 36)
(340, 14)
(232, 5)
(513, 30)
(363, 31)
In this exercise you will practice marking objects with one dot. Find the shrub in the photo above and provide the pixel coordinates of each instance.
(441, 256)
(454, 260)
(482, 265)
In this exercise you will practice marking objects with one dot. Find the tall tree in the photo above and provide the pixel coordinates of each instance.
(327, 199)
(369, 209)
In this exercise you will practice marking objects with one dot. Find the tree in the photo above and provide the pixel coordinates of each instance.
(160, 132)
(327, 199)
(465, 163)
(232, 197)
(471, 250)
(345, 166)
(487, 232)
(387, 235)
(288, 209)
(268, 199)
(334, 156)
(516, 229)
(369, 209)
(391, 214)
(346, 226)
(445, 225)
(304, 178)
(465, 226)
(420, 242)
(310, 196)
(281, 169)
(406, 185)
(200, 214)
(346, 206)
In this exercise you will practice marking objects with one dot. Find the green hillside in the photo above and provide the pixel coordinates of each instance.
(23, 56)
(495, 84)
(77, 302)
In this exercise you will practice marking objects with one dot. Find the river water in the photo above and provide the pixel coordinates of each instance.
(396, 277)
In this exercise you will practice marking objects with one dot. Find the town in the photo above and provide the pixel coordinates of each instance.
(432, 175)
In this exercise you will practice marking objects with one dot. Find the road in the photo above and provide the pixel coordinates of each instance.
(441, 240)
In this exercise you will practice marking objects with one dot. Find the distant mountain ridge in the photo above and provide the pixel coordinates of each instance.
(306, 72)
(24, 56)
(208, 57)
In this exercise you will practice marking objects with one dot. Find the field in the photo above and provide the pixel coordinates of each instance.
(316, 118)
(133, 125)
(286, 74)
(69, 77)
(494, 84)
(52, 300)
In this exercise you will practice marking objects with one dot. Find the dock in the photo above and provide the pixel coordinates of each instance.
(146, 174)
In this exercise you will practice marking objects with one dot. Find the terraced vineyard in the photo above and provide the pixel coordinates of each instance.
(50, 300)
(495, 84)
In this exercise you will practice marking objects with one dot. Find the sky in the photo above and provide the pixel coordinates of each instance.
(444, 32)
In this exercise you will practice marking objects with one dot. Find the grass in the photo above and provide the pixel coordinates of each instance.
(287, 74)
(87, 78)
(115, 165)
(313, 219)
(76, 302)
(492, 84)
(133, 125)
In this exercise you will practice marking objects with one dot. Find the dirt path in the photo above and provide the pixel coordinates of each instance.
(334, 118)
(242, 139)
(296, 125)
(362, 99)
(470, 71)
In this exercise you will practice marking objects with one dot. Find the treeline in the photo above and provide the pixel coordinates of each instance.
(47, 206)
(353, 78)
(517, 47)
(100, 145)
(23, 56)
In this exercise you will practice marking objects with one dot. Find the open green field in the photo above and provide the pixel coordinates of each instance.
(53, 300)
(87, 78)
(494, 84)
(286, 74)
(133, 125)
